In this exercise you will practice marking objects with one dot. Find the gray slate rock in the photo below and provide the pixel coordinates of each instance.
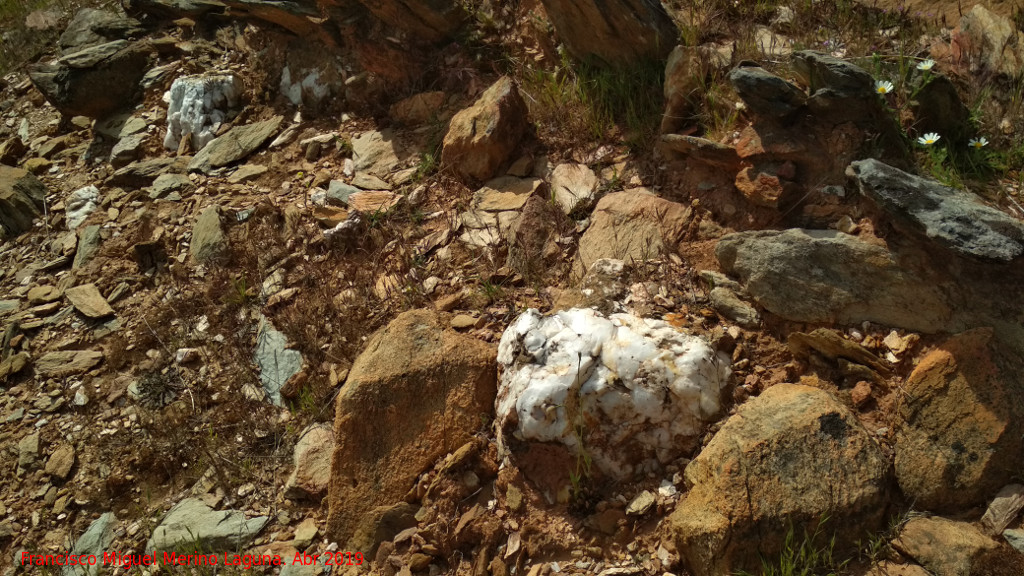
(1015, 539)
(843, 92)
(208, 238)
(953, 218)
(94, 82)
(277, 363)
(88, 245)
(832, 78)
(28, 451)
(90, 27)
(166, 184)
(338, 193)
(22, 196)
(191, 522)
(766, 94)
(127, 150)
(727, 303)
(95, 540)
(234, 145)
(144, 172)
(824, 276)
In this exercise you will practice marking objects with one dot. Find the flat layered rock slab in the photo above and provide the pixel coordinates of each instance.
(87, 299)
(952, 218)
(67, 362)
(506, 193)
(234, 145)
(371, 202)
(824, 276)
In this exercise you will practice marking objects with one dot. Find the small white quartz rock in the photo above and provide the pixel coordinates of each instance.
(80, 204)
(630, 392)
(303, 86)
(198, 105)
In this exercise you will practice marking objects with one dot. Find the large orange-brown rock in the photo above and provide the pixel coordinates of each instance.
(481, 138)
(959, 439)
(789, 458)
(416, 393)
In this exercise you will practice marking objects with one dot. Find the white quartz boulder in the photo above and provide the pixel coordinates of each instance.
(631, 393)
(198, 105)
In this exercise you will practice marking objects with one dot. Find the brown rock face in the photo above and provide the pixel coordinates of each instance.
(617, 32)
(633, 226)
(988, 42)
(416, 393)
(21, 199)
(428, 20)
(481, 138)
(418, 108)
(761, 188)
(792, 456)
(960, 438)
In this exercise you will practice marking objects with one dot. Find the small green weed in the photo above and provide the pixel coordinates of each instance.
(492, 292)
(427, 166)
(240, 293)
(804, 557)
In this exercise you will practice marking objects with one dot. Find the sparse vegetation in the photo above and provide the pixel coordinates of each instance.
(811, 554)
(595, 103)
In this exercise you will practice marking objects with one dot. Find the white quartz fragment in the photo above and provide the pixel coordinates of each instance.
(198, 105)
(303, 87)
(632, 393)
(80, 204)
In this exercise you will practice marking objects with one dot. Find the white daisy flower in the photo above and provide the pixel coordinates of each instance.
(883, 86)
(928, 139)
(926, 65)
(978, 142)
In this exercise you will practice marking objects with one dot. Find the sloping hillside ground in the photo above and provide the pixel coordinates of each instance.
(514, 288)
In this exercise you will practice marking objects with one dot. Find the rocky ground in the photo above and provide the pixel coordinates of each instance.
(515, 288)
